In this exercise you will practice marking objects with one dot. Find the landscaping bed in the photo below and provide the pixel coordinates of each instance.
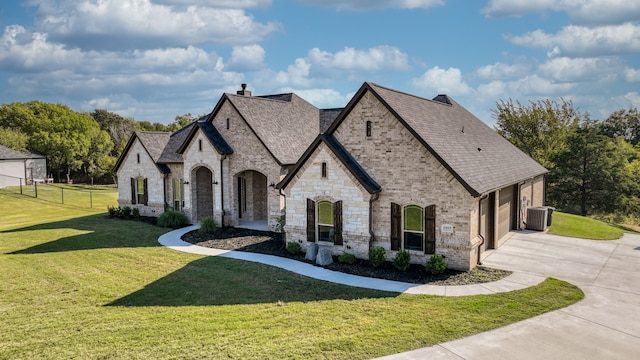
(270, 243)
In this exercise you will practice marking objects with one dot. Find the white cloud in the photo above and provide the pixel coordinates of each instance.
(141, 23)
(441, 81)
(246, 58)
(579, 40)
(566, 69)
(235, 4)
(632, 75)
(322, 98)
(349, 59)
(578, 11)
(502, 71)
(374, 4)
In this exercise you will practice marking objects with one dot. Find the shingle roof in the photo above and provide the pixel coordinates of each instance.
(345, 158)
(286, 124)
(170, 154)
(211, 133)
(327, 116)
(10, 154)
(153, 142)
(481, 159)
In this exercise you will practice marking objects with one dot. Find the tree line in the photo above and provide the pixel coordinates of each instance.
(79, 146)
(594, 166)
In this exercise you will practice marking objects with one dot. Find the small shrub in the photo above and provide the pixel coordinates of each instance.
(377, 256)
(402, 260)
(436, 264)
(136, 213)
(126, 212)
(347, 258)
(293, 247)
(173, 219)
(208, 225)
(113, 211)
(279, 226)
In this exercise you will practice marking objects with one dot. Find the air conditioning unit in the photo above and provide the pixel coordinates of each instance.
(537, 218)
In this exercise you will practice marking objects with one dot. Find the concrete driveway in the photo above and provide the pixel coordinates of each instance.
(605, 325)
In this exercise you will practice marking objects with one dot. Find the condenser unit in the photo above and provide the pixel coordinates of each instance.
(537, 218)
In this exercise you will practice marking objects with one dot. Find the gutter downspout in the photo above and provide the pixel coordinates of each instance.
(164, 187)
(222, 192)
(372, 236)
(480, 228)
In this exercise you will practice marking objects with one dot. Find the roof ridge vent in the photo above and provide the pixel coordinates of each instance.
(443, 99)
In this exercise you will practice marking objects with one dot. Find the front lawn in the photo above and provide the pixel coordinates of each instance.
(583, 227)
(74, 284)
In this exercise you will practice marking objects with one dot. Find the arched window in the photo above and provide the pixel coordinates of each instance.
(324, 221)
(413, 228)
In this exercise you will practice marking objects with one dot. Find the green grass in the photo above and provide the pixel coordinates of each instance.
(583, 227)
(74, 284)
(85, 196)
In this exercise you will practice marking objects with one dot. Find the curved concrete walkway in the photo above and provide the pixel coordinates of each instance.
(605, 325)
(515, 281)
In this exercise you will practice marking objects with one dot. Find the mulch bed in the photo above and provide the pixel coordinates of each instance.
(270, 243)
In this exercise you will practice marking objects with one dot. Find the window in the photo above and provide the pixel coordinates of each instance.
(200, 144)
(368, 128)
(228, 121)
(138, 157)
(324, 221)
(413, 228)
(139, 191)
(324, 170)
(178, 194)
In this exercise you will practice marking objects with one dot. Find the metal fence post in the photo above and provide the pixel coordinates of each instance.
(91, 199)
(35, 184)
(62, 192)
(20, 186)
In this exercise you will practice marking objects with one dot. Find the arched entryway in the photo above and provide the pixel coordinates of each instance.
(203, 192)
(251, 202)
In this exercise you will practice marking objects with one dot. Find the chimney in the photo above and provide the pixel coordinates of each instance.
(244, 91)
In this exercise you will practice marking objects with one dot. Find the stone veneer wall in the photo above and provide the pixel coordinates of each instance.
(147, 168)
(409, 174)
(248, 154)
(193, 159)
(338, 185)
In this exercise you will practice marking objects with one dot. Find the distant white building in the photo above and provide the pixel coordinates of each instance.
(21, 168)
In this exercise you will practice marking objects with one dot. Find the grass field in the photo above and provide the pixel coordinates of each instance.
(583, 227)
(75, 284)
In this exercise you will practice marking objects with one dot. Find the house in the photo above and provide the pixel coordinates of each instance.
(226, 164)
(404, 172)
(18, 168)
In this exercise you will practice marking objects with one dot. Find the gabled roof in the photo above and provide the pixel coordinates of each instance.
(286, 124)
(327, 116)
(10, 154)
(170, 154)
(153, 143)
(481, 159)
(211, 133)
(345, 158)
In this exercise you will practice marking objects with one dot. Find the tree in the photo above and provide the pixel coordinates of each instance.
(624, 123)
(540, 129)
(118, 127)
(182, 121)
(13, 139)
(593, 173)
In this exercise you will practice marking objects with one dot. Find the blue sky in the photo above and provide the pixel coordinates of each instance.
(156, 59)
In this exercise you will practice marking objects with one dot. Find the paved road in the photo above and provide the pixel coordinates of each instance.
(605, 325)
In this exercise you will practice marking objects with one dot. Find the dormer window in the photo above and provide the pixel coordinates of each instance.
(368, 128)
